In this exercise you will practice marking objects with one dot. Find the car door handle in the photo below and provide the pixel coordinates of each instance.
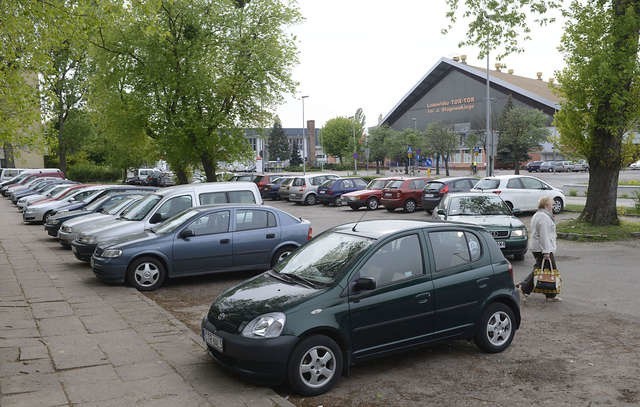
(423, 298)
(482, 282)
(225, 241)
(271, 235)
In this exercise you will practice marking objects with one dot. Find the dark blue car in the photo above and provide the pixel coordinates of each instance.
(202, 240)
(330, 192)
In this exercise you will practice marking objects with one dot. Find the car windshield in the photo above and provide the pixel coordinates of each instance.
(477, 205)
(97, 203)
(124, 207)
(377, 184)
(487, 184)
(324, 259)
(172, 223)
(142, 208)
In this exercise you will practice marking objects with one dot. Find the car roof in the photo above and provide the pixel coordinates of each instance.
(380, 228)
(449, 179)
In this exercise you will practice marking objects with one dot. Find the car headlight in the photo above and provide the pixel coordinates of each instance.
(87, 239)
(53, 221)
(65, 229)
(265, 326)
(110, 253)
(518, 233)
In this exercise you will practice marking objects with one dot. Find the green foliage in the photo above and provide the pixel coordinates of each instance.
(295, 155)
(521, 129)
(337, 136)
(441, 140)
(573, 192)
(88, 172)
(278, 145)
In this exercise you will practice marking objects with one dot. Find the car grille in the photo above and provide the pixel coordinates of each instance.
(499, 233)
(98, 251)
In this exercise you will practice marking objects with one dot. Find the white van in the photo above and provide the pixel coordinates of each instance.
(160, 206)
(8, 173)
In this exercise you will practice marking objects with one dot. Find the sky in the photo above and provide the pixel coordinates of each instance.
(369, 54)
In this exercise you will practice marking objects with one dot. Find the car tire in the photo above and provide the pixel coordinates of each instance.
(315, 365)
(146, 273)
(372, 204)
(390, 209)
(354, 207)
(410, 206)
(46, 216)
(558, 205)
(496, 329)
(281, 254)
(338, 201)
(310, 200)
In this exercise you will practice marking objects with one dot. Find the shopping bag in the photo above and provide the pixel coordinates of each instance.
(546, 280)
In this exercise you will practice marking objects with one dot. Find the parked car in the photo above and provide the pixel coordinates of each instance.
(304, 188)
(635, 165)
(435, 189)
(8, 173)
(242, 177)
(533, 166)
(368, 197)
(70, 229)
(55, 192)
(360, 291)
(199, 241)
(580, 165)
(272, 189)
(330, 192)
(556, 166)
(490, 211)
(404, 193)
(263, 180)
(40, 211)
(161, 205)
(521, 192)
(285, 185)
(160, 179)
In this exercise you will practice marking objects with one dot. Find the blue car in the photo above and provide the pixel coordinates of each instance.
(201, 240)
(330, 192)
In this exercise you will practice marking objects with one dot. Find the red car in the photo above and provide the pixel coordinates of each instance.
(404, 193)
(368, 197)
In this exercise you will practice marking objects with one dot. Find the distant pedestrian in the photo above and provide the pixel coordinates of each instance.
(542, 243)
(474, 167)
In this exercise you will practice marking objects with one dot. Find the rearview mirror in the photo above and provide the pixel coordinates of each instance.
(364, 283)
(185, 233)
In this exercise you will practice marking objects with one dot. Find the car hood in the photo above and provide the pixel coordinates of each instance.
(259, 295)
(361, 191)
(132, 239)
(116, 228)
(489, 221)
(95, 219)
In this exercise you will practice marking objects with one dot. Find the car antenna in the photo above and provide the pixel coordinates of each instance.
(353, 229)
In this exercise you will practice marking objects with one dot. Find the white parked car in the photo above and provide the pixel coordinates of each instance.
(521, 192)
(635, 165)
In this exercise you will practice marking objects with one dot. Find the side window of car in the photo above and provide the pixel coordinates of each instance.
(347, 183)
(360, 183)
(298, 182)
(241, 197)
(395, 261)
(531, 183)
(450, 249)
(212, 223)
(475, 249)
(175, 205)
(210, 198)
(514, 183)
(248, 219)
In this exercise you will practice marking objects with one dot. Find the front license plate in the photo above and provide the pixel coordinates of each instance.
(387, 195)
(212, 340)
(501, 244)
(74, 249)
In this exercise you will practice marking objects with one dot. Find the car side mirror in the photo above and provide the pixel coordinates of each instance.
(516, 211)
(441, 212)
(364, 284)
(156, 218)
(186, 233)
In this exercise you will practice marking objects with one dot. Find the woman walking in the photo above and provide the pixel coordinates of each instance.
(542, 243)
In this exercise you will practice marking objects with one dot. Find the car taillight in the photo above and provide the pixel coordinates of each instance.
(310, 233)
(497, 192)
(444, 189)
(510, 270)
(329, 192)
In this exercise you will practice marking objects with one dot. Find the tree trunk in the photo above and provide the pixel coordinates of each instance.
(437, 164)
(181, 175)
(8, 155)
(600, 208)
(517, 167)
(209, 167)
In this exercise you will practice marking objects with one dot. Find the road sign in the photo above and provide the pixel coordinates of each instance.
(355, 156)
(428, 162)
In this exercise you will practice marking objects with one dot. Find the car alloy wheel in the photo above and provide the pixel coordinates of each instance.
(496, 329)
(315, 365)
(410, 206)
(281, 254)
(557, 205)
(310, 199)
(146, 273)
(372, 204)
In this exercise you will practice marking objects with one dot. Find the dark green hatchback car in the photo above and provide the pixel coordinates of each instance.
(364, 290)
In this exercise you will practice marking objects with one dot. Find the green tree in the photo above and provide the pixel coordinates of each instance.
(278, 144)
(521, 129)
(201, 71)
(337, 136)
(442, 141)
(377, 139)
(601, 96)
(295, 155)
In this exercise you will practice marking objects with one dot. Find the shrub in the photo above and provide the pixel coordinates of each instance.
(573, 192)
(87, 172)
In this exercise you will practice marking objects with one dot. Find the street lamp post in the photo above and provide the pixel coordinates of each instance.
(304, 139)
(355, 158)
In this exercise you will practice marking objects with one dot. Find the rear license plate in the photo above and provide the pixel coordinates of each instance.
(501, 244)
(387, 195)
(212, 340)
(428, 195)
(322, 192)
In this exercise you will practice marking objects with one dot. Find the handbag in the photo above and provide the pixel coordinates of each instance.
(546, 280)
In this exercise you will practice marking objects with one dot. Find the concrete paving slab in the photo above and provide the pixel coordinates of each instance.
(73, 351)
(51, 309)
(144, 370)
(37, 351)
(69, 325)
(40, 398)
(124, 347)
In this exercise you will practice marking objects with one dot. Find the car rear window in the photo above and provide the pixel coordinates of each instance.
(487, 184)
(433, 186)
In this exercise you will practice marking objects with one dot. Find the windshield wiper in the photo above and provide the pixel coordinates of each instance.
(293, 278)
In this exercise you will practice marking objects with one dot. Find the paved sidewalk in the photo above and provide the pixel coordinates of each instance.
(67, 339)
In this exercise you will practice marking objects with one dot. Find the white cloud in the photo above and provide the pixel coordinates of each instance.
(370, 53)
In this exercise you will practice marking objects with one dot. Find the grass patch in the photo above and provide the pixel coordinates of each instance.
(573, 192)
(633, 182)
(622, 210)
(577, 230)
